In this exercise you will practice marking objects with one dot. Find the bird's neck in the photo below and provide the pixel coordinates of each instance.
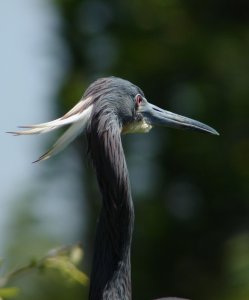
(111, 278)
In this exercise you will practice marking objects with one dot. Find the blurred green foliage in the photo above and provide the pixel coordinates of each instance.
(63, 259)
(191, 191)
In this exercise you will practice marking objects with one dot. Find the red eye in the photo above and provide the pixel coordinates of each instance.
(139, 99)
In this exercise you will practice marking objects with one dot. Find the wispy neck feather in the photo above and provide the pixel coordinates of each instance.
(110, 278)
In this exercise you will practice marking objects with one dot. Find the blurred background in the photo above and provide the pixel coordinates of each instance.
(191, 191)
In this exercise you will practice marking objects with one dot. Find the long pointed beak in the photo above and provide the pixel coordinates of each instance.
(158, 117)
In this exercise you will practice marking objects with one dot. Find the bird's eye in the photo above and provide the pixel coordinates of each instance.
(138, 99)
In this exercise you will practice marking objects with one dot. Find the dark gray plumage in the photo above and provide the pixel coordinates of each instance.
(111, 278)
(109, 107)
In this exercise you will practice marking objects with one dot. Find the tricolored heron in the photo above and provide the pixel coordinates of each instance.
(109, 107)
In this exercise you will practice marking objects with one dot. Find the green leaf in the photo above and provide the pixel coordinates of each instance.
(66, 267)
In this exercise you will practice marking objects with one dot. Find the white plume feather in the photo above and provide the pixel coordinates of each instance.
(77, 116)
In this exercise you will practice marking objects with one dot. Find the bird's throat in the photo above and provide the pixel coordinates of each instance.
(110, 278)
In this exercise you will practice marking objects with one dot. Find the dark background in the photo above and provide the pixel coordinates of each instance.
(190, 190)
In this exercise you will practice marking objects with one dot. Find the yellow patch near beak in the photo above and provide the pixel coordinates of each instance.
(136, 127)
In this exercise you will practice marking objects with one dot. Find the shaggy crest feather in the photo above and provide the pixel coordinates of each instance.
(77, 116)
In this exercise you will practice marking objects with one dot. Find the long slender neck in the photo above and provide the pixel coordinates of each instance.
(110, 277)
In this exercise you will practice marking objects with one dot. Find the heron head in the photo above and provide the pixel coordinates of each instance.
(138, 115)
(107, 100)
